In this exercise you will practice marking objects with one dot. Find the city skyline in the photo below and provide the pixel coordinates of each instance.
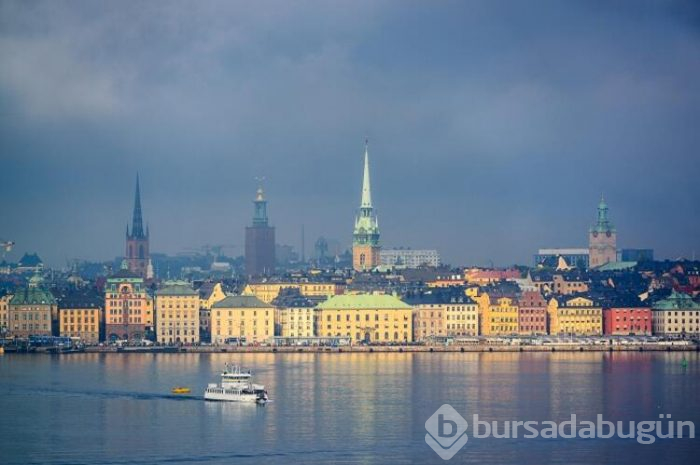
(481, 148)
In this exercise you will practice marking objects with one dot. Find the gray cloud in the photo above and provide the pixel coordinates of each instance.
(494, 126)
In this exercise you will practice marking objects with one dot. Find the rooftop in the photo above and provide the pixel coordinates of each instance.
(241, 301)
(363, 301)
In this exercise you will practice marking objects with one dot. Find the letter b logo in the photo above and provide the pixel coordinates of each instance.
(447, 432)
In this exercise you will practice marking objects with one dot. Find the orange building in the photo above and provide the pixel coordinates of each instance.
(128, 307)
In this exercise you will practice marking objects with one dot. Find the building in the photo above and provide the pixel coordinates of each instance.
(371, 318)
(483, 277)
(677, 315)
(259, 240)
(499, 315)
(636, 255)
(602, 239)
(443, 313)
(177, 314)
(209, 294)
(567, 284)
(268, 291)
(128, 307)
(5, 313)
(80, 315)
(409, 258)
(30, 263)
(137, 245)
(294, 315)
(365, 241)
(574, 257)
(577, 316)
(242, 319)
(33, 311)
(627, 321)
(532, 313)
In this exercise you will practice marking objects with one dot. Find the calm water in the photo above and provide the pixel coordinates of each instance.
(347, 408)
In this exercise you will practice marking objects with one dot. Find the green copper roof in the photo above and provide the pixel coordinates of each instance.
(366, 224)
(33, 296)
(603, 224)
(677, 301)
(241, 301)
(616, 266)
(363, 301)
(176, 288)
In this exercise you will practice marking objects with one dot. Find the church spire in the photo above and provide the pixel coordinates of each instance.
(137, 224)
(366, 190)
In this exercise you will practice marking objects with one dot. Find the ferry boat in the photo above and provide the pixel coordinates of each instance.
(236, 386)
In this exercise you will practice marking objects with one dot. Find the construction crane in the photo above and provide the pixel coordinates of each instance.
(6, 247)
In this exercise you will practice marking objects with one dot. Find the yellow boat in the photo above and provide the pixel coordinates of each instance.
(180, 390)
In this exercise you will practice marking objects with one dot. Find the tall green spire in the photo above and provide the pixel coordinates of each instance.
(137, 223)
(366, 189)
(366, 223)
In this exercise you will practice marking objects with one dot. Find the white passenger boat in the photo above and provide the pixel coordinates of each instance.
(236, 386)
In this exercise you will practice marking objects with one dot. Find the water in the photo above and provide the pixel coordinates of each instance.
(340, 408)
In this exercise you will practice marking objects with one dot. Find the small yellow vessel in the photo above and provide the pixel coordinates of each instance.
(180, 390)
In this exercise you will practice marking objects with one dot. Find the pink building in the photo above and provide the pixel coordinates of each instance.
(532, 313)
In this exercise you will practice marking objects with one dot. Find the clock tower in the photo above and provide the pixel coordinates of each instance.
(602, 239)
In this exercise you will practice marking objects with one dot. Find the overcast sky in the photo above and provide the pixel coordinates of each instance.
(494, 126)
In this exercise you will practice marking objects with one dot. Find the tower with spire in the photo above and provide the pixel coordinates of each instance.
(259, 240)
(365, 241)
(137, 253)
(602, 238)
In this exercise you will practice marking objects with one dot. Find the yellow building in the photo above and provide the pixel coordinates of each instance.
(33, 311)
(373, 318)
(81, 316)
(5, 312)
(177, 314)
(267, 292)
(498, 315)
(242, 318)
(294, 316)
(577, 316)
(209, 294)
(567, 285)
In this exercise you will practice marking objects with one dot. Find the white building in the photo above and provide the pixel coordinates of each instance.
(409, 258)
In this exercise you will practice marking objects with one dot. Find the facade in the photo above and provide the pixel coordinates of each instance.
(438, 313)
(33, 311)
(243, 318)
(574, 257)
(567, 285)
(294, 315)
(81, 316)
(365, 241)
(678, 315)
(259, 241)
(137, 244)
(532, 313)
(268, 291)
(602, 239)
(177, 314)
(5, 313)
(209, 294)
(577, 316)
(128, 307)
(372, 318)
(500, 317)
(627, 321)
(409, 258)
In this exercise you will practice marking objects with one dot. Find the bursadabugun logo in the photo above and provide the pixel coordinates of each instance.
(447, 430)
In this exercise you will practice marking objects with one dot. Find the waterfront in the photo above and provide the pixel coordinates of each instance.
(350, 408)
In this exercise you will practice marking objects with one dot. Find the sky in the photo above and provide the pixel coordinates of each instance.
(494, 126)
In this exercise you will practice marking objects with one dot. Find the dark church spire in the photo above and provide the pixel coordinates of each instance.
(137, 224)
